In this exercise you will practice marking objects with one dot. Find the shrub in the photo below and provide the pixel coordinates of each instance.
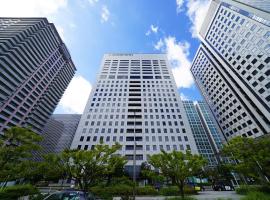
(170, 191)
(256, 196)
(38, 196)
(189, 190)
(244, 189)
(14, 192)
(265, 188)
(108, 192)
(147, 190)
(174, 191)
(121, 180)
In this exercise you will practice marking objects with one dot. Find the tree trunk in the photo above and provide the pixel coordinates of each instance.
(80, 184)
(173, 181)
(109, 180)
(182, 189)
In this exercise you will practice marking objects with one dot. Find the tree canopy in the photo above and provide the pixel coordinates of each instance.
(252, 156)
(87, 168)
(16, 149)
(178, 166)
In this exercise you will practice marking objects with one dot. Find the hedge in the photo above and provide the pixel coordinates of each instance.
(111, 191)
(174, 191)
(125, 190)
(16, 191)
(256, 196)
(245, 189)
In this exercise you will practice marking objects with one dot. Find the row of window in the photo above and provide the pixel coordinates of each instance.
(225, 106)
(121, 138)
(147, 148)
(246, 48)
(122, 130)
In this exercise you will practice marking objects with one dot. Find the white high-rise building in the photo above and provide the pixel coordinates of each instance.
(232, 66)
(135, 93)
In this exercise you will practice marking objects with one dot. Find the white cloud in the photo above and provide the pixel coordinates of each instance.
(72, 25)
(76, 95)
(34, 8)
(30, 8)
(177, 53)
(159, 44)
(179, 4)
(60, 30)
(183, 97)
(148, 33)
(105, 14)
(196, 11)
(92, 2)
(152, 29)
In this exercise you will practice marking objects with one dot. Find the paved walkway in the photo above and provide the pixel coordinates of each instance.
(206, 195)
(215, 195)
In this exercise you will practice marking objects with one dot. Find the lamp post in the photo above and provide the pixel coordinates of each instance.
(134, 158)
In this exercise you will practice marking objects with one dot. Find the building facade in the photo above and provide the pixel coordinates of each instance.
(208, 137)
(135, 97)
(58, 132)
(36, 68)
(232, 67)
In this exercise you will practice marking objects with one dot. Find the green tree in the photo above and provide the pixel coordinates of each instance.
(252, 156)
(16, 147)
(221, 172)
(87, 168)
(153, 176)
(52, 167)
(115, 167)
(178, 166)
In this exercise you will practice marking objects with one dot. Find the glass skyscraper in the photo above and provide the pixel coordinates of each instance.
(208, 137)
(58, 132)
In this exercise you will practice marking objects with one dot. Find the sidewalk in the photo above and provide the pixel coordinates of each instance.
(205, 195)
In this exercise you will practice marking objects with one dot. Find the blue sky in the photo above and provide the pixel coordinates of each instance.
(91, 28)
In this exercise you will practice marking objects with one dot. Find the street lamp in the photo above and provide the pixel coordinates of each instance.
(134, 158)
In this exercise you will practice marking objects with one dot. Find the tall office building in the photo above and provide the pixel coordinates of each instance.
(208, 137)
(58, 132)
(232, 67)
(135, 94)
(36, 68)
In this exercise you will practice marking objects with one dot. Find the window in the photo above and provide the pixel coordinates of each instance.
(81, 138)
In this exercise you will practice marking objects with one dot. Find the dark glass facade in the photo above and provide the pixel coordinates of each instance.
(59, 131)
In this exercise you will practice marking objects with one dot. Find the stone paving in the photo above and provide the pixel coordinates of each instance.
(215, 195)
(206, 195)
